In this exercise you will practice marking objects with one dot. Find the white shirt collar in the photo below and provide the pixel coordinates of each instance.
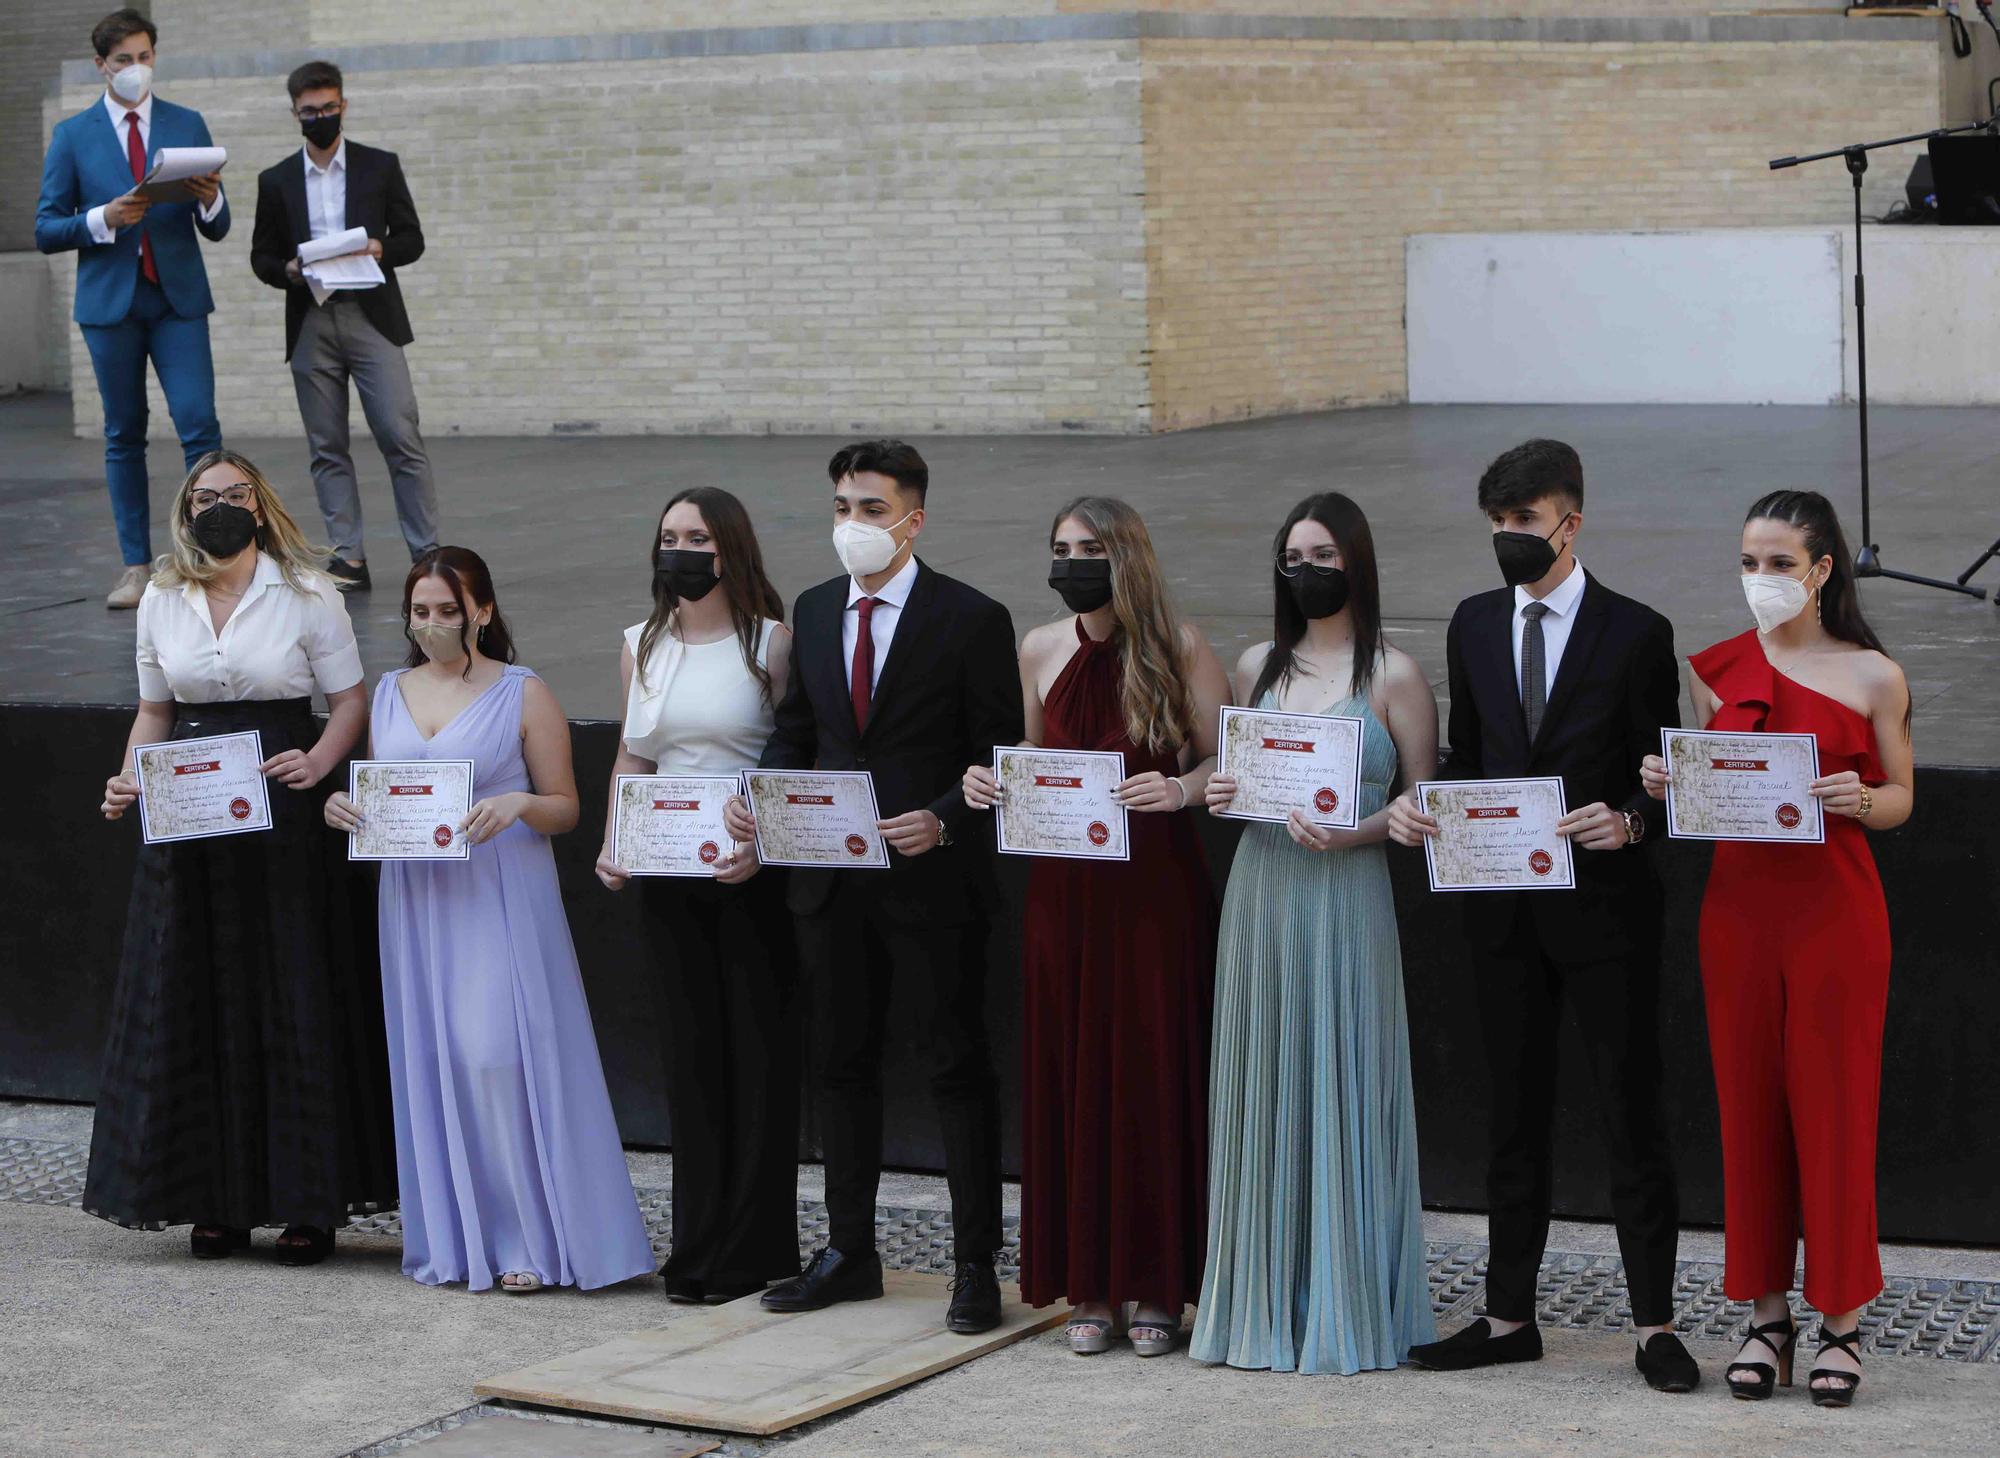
(267, 573)
(338, 161)
(1562, 601)
(119, 111)
(895, 592)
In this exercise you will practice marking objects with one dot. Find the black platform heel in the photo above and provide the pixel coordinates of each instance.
(1778, 1373)
(1841, 1386)
(213, 1242)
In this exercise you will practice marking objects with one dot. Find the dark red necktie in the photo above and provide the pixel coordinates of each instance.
(135, 149)
(861, 685)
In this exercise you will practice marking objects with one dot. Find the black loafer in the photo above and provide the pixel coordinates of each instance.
(829, 1278)
(348, 576)
(1476, 1346)
(1666, 1365)
(975, 1298)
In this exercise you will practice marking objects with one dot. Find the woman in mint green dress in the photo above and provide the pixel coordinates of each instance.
(1315, 1231)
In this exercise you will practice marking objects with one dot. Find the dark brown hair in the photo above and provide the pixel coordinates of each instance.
(896, 459)
(1349, 528)
(753, 601)
(1530, 471)
(108, 32)
(464, 572)
(314, 76)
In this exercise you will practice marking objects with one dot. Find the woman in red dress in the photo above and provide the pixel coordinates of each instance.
(1795, 948)
(1118, 956)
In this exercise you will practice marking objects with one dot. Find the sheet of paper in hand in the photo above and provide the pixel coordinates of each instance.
(1742, 786)
(166, 179)
(671, 825)
(191, 788)
(1497, 835)
(410, 809)
(816, 818)
(1310, 763)
(1058, 803)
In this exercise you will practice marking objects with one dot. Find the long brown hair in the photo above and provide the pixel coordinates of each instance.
(278, 536)
(464, 572)
(1153, 689)
(1349, 529)
(753, 601)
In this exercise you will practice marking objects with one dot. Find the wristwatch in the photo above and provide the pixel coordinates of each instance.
(1635, 826)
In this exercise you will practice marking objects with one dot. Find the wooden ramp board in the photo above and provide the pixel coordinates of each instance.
(742, 1369)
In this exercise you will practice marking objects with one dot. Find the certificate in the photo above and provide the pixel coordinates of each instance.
(410, 809)
(1741, 786)
(1310, 763)
(671, 825)
(1058, 803)
(1496, 835)
(191, 788)
(816, 818)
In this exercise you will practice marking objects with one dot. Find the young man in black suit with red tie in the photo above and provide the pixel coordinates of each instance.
(905, 673)
(1555, 674)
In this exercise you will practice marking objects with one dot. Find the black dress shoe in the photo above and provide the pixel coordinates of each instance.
(975, 1298)
(1476, 1346)
(829, 1278)
(684, 1290)
(348, 576)
(1666, 1365)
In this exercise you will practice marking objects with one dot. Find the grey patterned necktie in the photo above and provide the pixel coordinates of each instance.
(1534, 671)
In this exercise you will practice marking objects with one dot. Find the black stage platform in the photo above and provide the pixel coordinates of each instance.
(565, 524)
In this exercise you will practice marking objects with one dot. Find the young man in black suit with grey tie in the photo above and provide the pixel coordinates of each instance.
(1555, 674)
(910, 675)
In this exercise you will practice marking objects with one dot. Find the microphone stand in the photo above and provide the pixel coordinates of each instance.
(1868, 561)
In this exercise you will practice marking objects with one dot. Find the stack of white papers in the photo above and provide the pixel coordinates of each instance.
(166, 179)
(340, 261)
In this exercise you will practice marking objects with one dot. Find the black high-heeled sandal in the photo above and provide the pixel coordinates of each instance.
(304, 1245)
(213, 1242)
(1841, 1386)
(1777, 1373)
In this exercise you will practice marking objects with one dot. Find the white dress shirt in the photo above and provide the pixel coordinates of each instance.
(94, 219)
(1561, 617)
(326, 192)
(280, 643)
(882, 623)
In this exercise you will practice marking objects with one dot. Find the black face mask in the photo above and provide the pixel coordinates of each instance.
(1526, 556)
(224, 530)
(1319, 592)
(321, 131)
(1084, 583)
(687, 576)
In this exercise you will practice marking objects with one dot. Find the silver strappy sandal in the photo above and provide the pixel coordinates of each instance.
(1153, 1338)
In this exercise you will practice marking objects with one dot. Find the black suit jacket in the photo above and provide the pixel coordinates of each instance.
(378, 200)
(1617, 686)
(949, 691)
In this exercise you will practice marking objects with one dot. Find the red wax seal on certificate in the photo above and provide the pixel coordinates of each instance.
(441, 837)
(1788, 816)
(1541, 862)
(710, 853)
(1326, 802)
(239, 808)
(856, 846)
(1099, 833)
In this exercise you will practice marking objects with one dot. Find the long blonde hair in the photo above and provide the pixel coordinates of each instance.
(1153, 690)
(278, 538)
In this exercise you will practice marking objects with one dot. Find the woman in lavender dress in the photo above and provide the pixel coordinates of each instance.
(509, 1158)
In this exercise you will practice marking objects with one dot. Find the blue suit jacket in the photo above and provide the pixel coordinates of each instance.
(87, 166)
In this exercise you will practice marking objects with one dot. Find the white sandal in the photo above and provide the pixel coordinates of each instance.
(520, 1283)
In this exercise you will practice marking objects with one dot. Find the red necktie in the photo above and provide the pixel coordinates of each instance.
(861, 685)
(135, 149)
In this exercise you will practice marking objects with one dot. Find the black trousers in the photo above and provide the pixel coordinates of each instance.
(1522, 990)
(726, 989)
(857, 957)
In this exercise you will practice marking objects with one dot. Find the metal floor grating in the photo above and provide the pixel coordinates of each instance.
(1956, 1321)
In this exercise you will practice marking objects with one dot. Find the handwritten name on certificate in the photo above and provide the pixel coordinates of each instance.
(1310, 763)
(1058, 803)
(1496, 835)
(671, 825)
(410, 809)
(1741, 786)
(191, 788)
(816, 818)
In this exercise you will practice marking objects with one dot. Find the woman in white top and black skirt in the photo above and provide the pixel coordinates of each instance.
(702, 675)
(245, 1078)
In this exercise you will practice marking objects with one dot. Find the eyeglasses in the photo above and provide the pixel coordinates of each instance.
(1321, 559)
(201, 501)
(314, 113)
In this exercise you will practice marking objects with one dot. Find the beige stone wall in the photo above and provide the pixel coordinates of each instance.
(36, 37)
(1283, 178)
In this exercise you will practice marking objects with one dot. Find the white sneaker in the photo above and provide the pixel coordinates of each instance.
(130, 588)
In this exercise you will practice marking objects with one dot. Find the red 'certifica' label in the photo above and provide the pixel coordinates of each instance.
(1099, 833)
(1757, 766)
(441, 837)
(409, 789)
(1294, 746)
(239, 808)
(1788, 816)
(856, 846)
(1059, 782)
(808, 799)
(1493, 812)
(710, 853)
(677, 804)
(203, 767)
(1541, 862)
(1326, 801)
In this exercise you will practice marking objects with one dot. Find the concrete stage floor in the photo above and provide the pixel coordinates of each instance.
(565, 524)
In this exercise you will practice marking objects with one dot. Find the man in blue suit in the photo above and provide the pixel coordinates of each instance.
(141, 290)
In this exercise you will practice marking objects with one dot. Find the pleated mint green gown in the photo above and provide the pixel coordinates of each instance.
(1315, 1230)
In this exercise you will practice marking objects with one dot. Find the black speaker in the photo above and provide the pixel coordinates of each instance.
(1920, 190)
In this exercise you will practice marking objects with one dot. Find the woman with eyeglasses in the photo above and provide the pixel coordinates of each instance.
(244, 1075)
(1117, 955)
(1315, 1236)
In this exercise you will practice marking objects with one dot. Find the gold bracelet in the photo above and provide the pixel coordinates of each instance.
(1867, 803)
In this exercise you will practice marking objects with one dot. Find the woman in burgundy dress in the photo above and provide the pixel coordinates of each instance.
(1795, 947)
(1118, 956)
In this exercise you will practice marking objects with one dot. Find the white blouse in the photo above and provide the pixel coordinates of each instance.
(695, 709)
(280, 643)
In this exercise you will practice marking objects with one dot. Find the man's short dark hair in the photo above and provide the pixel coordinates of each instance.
(314, 76)
(898, 460)
(108, 32)
(1530, 471)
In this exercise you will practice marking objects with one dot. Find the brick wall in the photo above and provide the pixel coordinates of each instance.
(35, 39)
